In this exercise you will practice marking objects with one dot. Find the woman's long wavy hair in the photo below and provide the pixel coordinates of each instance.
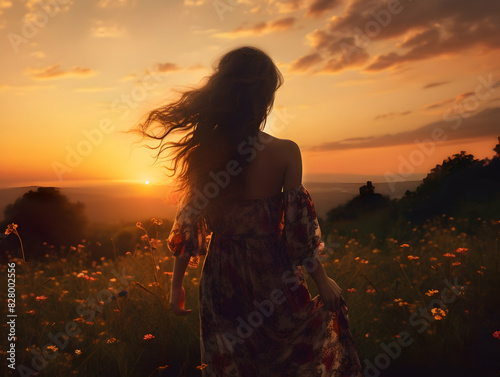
(216, 118)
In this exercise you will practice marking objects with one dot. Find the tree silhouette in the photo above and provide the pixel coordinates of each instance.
(45, 215)
(461, 185)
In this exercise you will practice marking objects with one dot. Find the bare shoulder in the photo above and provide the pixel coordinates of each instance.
(288, 153)
(285, 147)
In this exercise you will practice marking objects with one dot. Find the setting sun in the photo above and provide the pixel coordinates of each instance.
(147, 182)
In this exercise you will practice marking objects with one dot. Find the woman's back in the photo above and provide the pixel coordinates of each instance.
(273, 165)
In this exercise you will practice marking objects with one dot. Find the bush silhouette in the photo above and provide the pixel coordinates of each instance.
(45, 215)
(461, 186)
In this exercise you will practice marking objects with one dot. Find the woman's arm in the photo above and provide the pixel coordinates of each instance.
(177, 292)
(328, 289)
(316, 271)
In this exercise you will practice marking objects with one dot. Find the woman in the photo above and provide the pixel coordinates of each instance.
(245, 187)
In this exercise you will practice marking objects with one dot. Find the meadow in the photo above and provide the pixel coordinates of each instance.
(426, 302)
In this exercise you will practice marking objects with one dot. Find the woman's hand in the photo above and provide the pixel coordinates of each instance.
(177, 300)
(330, 294)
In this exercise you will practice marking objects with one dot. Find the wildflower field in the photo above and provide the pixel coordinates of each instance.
(426, 302)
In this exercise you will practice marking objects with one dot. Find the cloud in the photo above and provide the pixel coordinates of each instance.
(24, 88)
(261, 28)
(436, 105)
(341, 51)
(416, 30)
(345, 61)
(434, 84)
(167, 67)
(482, 124)
(55, 72)
(391, 115)
(442, 103)
(107, 29)
(196, 67)
(318, 7)
(130, 76)
(288, 6)
(305, 62)
(314, 8)
(272, 6)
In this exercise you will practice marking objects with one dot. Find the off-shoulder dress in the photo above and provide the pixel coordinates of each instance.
(257, 317)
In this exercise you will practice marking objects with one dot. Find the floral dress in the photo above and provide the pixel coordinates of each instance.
(257, 316)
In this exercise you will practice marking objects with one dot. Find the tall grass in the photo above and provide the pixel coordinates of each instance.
(392, 287)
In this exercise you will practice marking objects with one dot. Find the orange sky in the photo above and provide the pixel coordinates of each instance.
(365, 82)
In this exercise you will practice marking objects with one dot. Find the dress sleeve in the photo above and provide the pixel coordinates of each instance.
(301, 231)
(188, 238)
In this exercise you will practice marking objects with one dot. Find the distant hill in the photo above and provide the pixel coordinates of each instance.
(328, 195)
(114, 203)
(108, 203)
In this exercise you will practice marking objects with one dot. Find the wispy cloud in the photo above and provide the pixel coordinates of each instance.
(318, 7)
(24, 88)
(274, 6)
(107, 29)
(195, 67)
(130, 76)
(445, 102)
(391, 115)
(167, 67)
(261, 28)
(305, 62)
(434, 84)
(484, 123)
(56, 72)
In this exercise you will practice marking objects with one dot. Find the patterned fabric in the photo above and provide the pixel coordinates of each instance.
(256, 313)
(186, 237)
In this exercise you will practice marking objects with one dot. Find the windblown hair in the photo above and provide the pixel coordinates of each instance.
(216, 118)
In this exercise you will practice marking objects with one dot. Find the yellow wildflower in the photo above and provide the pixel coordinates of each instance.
(11, 228)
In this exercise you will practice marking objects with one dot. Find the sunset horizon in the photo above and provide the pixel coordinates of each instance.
(361, 84)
